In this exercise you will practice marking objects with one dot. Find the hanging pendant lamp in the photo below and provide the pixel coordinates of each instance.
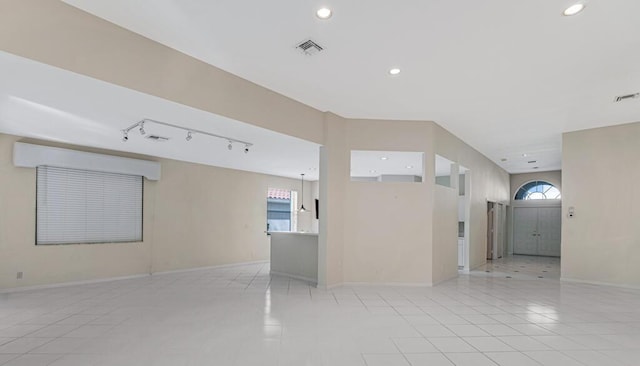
(302, 209)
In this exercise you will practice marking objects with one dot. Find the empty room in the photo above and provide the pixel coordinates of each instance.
(319, 183)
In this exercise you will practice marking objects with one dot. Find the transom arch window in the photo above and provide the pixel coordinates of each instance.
(538, 190)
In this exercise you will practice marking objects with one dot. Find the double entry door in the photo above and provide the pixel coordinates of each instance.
(536, 231)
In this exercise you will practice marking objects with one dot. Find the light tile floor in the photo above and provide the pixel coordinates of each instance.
(242, 316)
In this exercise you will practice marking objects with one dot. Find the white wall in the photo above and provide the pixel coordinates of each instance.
(600, 176)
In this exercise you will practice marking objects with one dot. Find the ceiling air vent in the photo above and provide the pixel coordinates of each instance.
(157, 138)
(309, 47)
(627, 97)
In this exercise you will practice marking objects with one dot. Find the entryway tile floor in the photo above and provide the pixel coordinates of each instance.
(243, 316)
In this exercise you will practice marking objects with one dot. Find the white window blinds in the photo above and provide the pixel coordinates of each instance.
(81, 206)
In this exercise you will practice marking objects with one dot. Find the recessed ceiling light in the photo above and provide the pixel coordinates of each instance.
(372, 171)
(524, 155)
(409, 166)
(394, 71)
(503, 159)
(384, 158)
(324, 13)
(573, 9)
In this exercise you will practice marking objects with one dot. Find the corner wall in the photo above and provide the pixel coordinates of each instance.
(489, 182)
(388, 225)
(600, 176)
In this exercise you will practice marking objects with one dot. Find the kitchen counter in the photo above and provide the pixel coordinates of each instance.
(295, 255)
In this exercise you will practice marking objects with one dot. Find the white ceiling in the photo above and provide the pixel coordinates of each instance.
(508, 77)
(45, 102)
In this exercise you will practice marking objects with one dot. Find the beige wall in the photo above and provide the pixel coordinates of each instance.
(334, 173)
(198, 216)
(445, 234)
(56, 263)
(387, 225)
(553, 177)
(600, 177)
(354, 245)
(489, 182)
(195, 216)
(57, 34)
(407, 232)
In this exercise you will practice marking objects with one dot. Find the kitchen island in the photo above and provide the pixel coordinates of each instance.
(295, 255)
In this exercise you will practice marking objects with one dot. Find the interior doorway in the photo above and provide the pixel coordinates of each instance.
(464, 217)
(491, 210)
(496, 228)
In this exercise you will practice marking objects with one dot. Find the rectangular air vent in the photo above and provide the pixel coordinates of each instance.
(309, 47)
(627, 97)
(157, 138)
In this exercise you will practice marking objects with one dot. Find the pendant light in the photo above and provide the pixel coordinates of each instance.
(302, 209)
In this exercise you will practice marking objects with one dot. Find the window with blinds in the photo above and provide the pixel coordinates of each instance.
(81, 206)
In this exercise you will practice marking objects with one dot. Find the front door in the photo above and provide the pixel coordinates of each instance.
(536, 231)
(549, 232)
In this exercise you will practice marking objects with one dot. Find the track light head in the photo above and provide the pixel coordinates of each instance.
(230, 146)
(189, 136)
(125, 136)
(142, 131)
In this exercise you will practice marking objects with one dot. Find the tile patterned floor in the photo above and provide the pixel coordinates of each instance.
(241, 316)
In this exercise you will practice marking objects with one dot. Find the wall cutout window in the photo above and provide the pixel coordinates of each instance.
(443, 171)
(538, 190)
(386, 166)
(80, 206)
(281, 210)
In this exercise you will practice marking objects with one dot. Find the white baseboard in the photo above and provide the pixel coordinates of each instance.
(71, 283)
(387, 284)
(598, 283)
(302, 278)
(119, 278)
(193, 269)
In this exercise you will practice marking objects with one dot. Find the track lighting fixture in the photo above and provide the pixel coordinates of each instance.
(190, 132)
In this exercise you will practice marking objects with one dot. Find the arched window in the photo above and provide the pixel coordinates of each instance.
(538, 190)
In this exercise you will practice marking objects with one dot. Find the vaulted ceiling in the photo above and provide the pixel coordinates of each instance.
(508, 77)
